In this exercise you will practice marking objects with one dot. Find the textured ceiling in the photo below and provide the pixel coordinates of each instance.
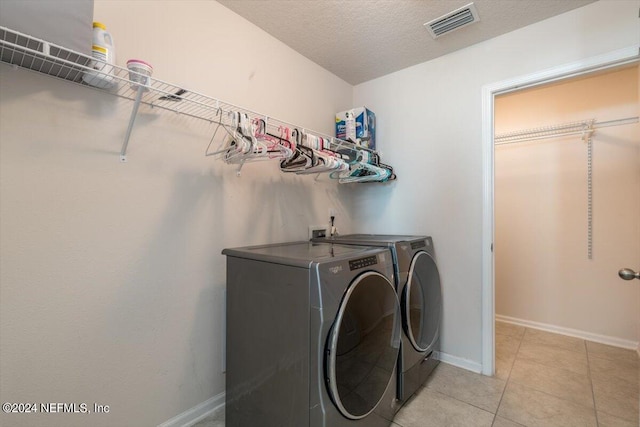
(359, 40)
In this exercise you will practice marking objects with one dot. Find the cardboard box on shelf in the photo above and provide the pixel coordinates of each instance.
(357, 125)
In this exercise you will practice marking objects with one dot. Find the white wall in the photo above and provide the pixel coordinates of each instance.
(429, 123)
(543, 273)
(111, 277)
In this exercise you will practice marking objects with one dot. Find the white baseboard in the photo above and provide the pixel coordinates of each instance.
(460, 362)
(197, 413)
(589, 336)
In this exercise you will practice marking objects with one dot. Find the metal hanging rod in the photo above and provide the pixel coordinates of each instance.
(572, 128)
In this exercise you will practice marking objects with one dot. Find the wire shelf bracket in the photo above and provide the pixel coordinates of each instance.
(132, 119)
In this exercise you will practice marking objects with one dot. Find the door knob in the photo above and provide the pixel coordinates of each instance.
(628, 274)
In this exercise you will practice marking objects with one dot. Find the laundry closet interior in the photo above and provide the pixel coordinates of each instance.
(566, 218)
(116, 205)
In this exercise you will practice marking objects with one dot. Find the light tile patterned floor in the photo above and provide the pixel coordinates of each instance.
(542, 380)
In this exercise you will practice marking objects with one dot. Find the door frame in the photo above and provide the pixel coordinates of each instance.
(615, 58)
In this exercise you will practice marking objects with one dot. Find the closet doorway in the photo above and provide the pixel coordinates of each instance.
(567, 206)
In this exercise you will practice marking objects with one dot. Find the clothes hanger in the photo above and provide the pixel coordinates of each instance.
(303, 153)
(228, 143)
(215, 132)
(302, 158)
(328, 160)
(364, 170)
(241, 141)
(278, 148)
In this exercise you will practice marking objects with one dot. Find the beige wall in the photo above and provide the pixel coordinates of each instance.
(111, 277)
(543, 273)
(430, 128)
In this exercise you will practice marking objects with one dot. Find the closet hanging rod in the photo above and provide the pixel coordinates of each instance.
(573, 128)
(18, 49)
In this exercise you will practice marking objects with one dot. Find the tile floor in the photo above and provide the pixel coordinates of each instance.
(542, 379)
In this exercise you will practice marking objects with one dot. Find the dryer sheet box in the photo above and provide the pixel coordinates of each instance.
(365, 126)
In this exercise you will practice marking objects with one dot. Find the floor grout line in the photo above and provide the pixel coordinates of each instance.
(593, 393)
(462, 401)
(506, 384)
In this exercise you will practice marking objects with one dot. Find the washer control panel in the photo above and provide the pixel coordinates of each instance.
(419, 244)
(356, 264)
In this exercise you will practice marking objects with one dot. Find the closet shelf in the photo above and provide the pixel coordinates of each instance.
(583, 127)
(25, 51)
(38, 55)
(586, 129)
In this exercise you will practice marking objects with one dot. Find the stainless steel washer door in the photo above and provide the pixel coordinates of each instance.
(363, 345)
(421, 302)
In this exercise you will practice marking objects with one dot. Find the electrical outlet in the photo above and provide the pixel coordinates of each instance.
(316, 231)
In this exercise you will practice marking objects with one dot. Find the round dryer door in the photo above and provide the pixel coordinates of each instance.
(363, 345)
(421, 302)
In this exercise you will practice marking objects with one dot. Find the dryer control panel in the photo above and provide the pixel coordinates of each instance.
(419, 244)
(362, 262)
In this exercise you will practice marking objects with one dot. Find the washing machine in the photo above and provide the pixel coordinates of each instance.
(313, 336)
(417, 282)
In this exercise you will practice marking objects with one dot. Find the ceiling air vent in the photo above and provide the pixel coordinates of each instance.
(452, 21)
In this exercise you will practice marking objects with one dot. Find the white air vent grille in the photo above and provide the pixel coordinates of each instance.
(453, 20)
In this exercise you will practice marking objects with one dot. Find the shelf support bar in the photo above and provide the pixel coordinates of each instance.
(587, 137)
(134, 114)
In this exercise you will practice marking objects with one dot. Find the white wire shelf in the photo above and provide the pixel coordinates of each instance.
(28, 52)
(38, 55)
(586, 129)
(560, 130)
(544, 132)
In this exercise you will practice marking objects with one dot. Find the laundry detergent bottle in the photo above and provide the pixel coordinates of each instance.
(350, 126)
(104, 51)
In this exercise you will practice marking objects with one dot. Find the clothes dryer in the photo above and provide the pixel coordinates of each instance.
(417, 282)
(313, 336)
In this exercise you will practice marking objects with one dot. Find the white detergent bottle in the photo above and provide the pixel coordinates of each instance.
(104, 51)
(350, 126)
